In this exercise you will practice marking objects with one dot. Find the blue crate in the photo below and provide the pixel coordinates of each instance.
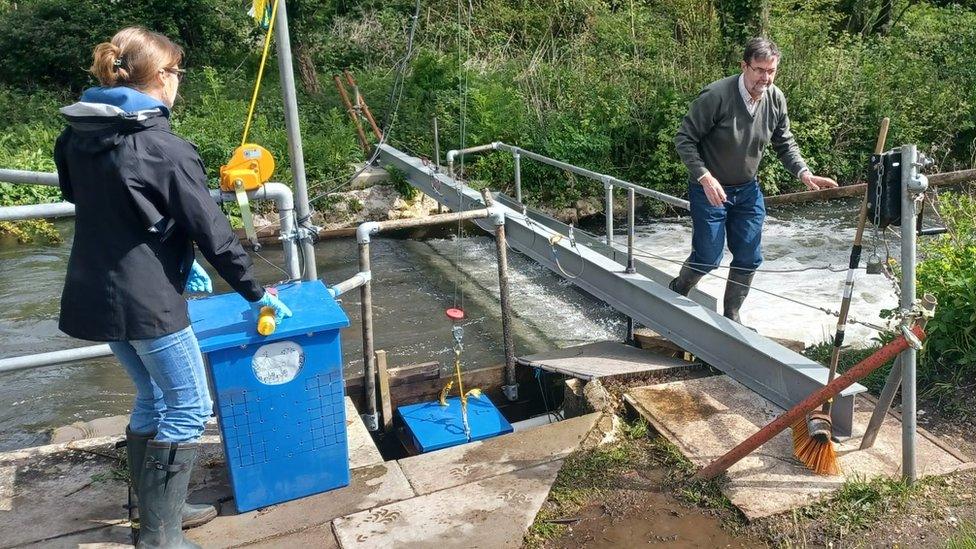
(279, 398)
(434, 427)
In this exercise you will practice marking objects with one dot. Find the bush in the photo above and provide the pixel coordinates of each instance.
(49, 42)
(948, 271)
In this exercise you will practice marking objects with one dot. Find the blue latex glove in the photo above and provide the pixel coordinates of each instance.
(270, 300)
(199, 280)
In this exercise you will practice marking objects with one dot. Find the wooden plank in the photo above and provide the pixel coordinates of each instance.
(846, 191)
(414, 373)
(384, 386)
(421, 382)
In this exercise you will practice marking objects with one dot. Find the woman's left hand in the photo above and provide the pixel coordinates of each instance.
(199, 280)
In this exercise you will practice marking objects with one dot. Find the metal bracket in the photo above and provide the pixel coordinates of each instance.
(372, 421)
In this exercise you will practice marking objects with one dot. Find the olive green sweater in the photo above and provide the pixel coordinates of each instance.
(719, 135)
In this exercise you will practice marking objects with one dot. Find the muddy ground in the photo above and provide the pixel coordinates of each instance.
(635, 493)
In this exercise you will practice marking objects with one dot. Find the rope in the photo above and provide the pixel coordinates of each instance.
(257, 84)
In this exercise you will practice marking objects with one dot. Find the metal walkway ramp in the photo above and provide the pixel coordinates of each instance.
(782, 376)
(604, 359)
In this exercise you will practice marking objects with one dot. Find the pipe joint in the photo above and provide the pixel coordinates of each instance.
(365, 230)
(357, 280)
(497, 215)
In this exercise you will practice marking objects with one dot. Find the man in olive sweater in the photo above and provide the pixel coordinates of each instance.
(721, 141)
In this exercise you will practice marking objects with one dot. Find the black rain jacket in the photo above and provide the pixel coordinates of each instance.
(141, 202)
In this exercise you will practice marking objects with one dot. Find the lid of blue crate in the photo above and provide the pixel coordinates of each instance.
(434, 426)
(223, 321)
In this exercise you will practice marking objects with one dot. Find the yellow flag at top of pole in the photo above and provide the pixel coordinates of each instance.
(261, 12)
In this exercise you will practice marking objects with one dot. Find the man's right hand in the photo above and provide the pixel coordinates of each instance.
(713, 190)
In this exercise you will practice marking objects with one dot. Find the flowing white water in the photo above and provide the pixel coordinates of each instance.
(815, 236)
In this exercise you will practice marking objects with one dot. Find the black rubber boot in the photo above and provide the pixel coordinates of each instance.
(135, 448)
(736, 290)
(162, 494)
(686, 280)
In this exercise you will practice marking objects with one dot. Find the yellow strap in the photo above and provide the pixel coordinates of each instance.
(246, 219)
(257, 84)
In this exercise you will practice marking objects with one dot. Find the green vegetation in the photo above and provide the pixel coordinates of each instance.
(948, 271)
(964, 538)
(601, 83)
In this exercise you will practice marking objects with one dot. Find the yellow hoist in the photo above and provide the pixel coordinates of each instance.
(251, 165)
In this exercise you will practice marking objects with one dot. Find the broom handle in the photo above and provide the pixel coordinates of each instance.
(845, 305)
(807, 405)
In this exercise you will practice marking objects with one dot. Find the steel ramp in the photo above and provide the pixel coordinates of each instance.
(780, 375)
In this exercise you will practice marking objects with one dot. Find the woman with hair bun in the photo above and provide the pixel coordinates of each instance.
(141, 202)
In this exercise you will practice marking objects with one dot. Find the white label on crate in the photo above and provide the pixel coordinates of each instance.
(278, 362)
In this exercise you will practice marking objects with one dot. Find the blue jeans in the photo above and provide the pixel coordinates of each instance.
(172, 398)
(740, 220)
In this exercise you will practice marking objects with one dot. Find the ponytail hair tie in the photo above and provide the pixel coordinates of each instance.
(118, 63)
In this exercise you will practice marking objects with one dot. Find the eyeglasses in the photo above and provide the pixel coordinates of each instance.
(760, 71)
(180, 73)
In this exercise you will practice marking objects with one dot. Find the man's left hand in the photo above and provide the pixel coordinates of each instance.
(816, 183)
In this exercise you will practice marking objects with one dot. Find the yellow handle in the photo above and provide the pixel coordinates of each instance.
(266, 321)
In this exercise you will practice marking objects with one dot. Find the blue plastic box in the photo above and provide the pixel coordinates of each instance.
(434, 427)
(279, 398)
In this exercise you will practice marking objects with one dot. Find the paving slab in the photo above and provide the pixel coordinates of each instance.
(362, 450)
(603, 359)
(95, 428)
(491, 513)
(369, 487)
(482, 459)
(108, 537)
(317, 537)
(706, 417)
(49, 494)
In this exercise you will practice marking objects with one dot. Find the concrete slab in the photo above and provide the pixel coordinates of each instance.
(370, 487)
(706, 417)
(479, 460)
(46, 494)
(491, 513)
(603, 359)
(317, 537)
(108, 537)
(95, 428)
(362, 450)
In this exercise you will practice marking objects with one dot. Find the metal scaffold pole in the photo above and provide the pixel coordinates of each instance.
(305, 231)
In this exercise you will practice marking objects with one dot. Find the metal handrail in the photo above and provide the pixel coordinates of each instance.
(609, 184)
(607, 180)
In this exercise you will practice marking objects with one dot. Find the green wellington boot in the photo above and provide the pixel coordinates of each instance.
(686, 280)
(162, 494)
(736, 290)
(135, 444)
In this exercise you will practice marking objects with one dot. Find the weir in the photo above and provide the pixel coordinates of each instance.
(782, 376)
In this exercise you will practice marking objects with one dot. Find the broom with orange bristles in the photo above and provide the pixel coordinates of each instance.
(812, 443)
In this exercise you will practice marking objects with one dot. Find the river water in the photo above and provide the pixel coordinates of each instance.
(414, 282)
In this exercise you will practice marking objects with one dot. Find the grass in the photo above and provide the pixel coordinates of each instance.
(964, 538)
(583, 477)
(588, 475)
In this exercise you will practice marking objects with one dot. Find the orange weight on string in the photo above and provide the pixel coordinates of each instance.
(455, 313)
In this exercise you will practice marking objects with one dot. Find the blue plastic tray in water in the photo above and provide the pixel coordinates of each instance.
(434, 427)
